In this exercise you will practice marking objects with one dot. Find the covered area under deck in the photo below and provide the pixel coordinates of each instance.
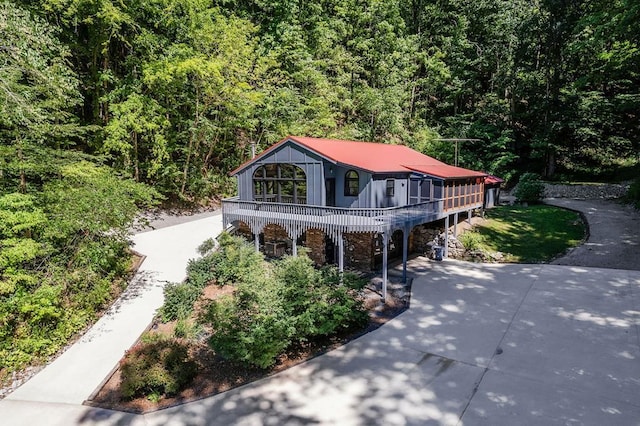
(339, 223)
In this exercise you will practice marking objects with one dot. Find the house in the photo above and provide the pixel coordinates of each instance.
(346, 201)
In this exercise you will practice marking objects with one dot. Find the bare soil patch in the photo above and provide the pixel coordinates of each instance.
(217, 375)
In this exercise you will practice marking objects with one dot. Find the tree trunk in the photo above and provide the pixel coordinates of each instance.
(23, 174)
(196, 119)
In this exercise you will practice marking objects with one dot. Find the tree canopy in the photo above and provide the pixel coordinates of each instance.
(173, 92)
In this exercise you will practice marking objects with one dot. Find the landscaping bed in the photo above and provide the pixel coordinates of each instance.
(216, 374)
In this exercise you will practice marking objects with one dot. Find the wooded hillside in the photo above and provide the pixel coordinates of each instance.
(173, 92)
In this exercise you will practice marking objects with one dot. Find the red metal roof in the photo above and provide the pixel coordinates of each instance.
(374, 157)
(491, 180)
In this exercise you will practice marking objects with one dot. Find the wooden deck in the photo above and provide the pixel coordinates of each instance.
(334, 221)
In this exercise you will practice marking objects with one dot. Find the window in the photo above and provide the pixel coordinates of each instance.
(351, 184)
(280, 183)
(391, 187)
(419, 190)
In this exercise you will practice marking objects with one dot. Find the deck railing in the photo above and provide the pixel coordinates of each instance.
(330, 219)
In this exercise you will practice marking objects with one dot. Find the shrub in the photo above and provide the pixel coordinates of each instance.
(200, 271)
(186, 329)
(315, 301)
(249, 328)
(207, 246)
(236, 261)
(293, 302)
(178, 301)
(530, 189)
(161, 367)
(471, 240)
(633, 193)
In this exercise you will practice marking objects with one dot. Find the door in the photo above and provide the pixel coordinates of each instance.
(330, 185)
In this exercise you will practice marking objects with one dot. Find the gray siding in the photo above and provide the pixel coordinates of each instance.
(372, 187)
(339, 173)
(379, 191)
(291, 154)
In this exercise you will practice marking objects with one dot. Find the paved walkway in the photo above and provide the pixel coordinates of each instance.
(481, 344)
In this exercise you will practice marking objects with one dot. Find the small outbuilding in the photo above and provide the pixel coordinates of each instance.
(492, 186)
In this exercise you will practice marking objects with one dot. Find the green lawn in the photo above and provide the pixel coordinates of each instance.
(531, 234)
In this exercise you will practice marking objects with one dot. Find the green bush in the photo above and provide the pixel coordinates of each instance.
(186, 329)
(249, 327)
(200, 271)
(289, 303)
(236, 260)
(207, 247)
(633, 193)
(530, 189)
(315, 301)
(161, 367)
(178, 301)
(471, 240)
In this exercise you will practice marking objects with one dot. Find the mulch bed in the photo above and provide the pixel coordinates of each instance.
(217, 375)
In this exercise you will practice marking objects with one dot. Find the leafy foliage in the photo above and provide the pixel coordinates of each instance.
(271, 308)
(88, 199)
(236, 261)
(173, 93)
(156, 368)
(64, 254)
(633, 194)
(530, 189)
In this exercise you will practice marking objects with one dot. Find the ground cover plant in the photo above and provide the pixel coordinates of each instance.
(64, 257)
(535, 233)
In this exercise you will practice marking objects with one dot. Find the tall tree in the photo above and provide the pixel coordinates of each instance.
(38, 92)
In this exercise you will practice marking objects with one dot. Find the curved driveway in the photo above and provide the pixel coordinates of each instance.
(482, 344)
(614, 235)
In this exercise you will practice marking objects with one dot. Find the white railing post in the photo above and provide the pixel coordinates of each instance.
(385, 244)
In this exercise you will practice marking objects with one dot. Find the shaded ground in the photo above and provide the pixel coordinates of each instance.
(481, 345)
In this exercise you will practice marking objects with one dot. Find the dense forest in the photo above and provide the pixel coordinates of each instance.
(109, 105)
(173, 92)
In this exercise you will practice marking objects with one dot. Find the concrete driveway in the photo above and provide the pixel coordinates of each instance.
(481, 344)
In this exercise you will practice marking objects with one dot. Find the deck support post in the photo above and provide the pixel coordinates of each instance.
(469, 216)
(455, 225)
(294, 248)
(405, 252)
(446, 237)
(340, 255)
(256, 242)
(385, 255)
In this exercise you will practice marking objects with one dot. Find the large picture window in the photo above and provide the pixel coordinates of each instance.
(280, 183)
(351, 184)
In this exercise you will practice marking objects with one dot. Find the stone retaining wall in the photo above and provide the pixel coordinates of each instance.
(590, 191)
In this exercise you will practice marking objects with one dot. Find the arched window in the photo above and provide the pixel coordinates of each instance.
(280, 183)
(351, 184)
